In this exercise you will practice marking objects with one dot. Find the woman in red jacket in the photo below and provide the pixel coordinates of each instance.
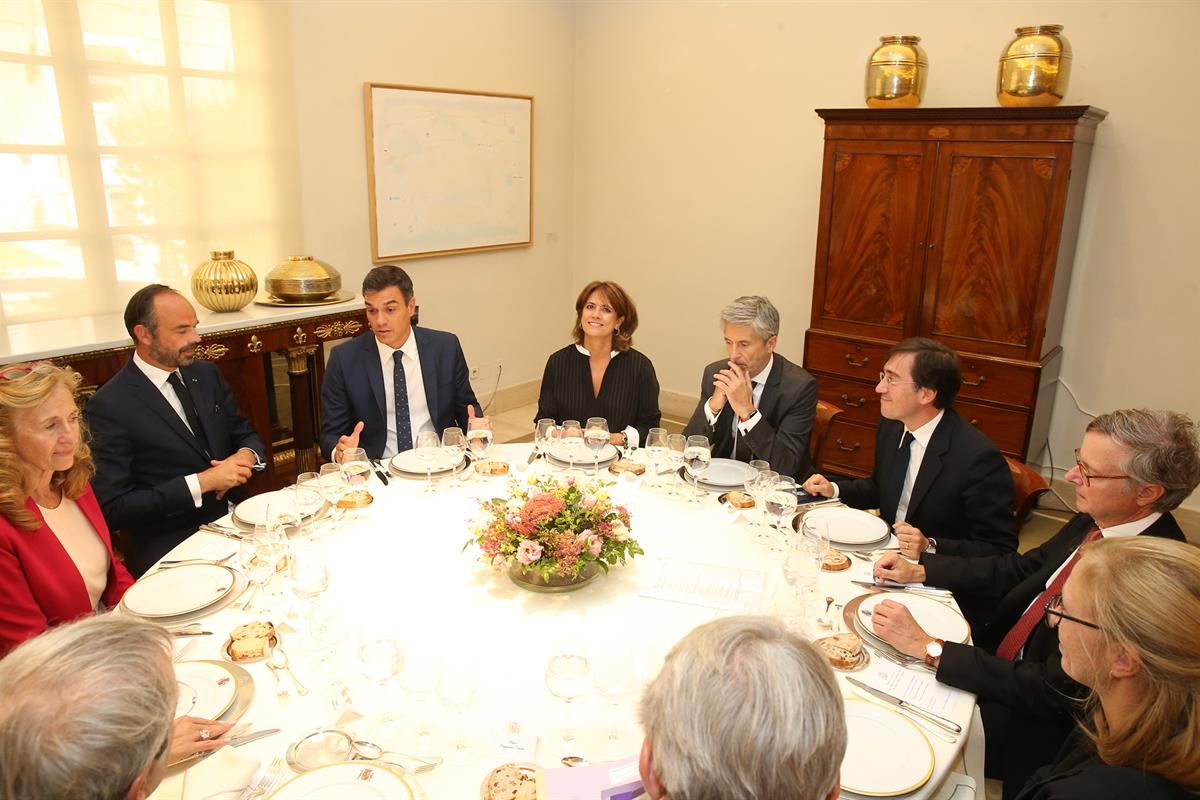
(56, 560)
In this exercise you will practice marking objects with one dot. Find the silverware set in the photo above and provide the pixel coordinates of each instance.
(270, 780)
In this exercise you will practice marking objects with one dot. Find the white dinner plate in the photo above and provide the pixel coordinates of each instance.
(180, 590)
(441, 462)
(726, 473)
(253, 510)
(206, 689)
(935, 618)
(583, 456)
(886, 754)
(348, 780)
(849, 526)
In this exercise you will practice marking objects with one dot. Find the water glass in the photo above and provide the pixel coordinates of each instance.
(428, 449)
(458, 690)
(419, 680)
(259, 554)
(801, 567)
(454, 446)
(596, 436)
(656, 450)
(676, 444)
(479, 437)
(570, 438)
(545, 431)
(781, 504)
(567, 678)
(357, 469)
(309, 578)
(380, 661)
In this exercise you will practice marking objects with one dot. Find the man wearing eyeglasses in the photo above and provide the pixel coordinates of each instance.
(941, 484)
(1133, 468)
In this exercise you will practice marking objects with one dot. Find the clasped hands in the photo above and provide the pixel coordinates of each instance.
(230, 472)
(732, 385)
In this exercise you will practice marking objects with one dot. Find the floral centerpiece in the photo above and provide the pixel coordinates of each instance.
(553, 533)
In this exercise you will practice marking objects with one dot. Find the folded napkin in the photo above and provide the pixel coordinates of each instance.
(222, 776)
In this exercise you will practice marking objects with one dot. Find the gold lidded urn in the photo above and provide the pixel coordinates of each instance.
(896, 73)
(303, 279)
(1035, 68)
(224, 283)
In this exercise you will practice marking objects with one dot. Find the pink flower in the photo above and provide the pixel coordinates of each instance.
(592, 541)
(541, 506)
(500, 563)
(528, 552)
(619, 532)
(588, 501)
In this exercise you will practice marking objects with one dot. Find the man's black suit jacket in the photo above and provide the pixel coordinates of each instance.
(143, 452)
(1027, 705)
(962, 495)
(788, 407)
(353, 389)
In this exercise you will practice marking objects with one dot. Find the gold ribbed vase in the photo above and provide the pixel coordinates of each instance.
(896, 73)
(1035, 68)
(224, 283)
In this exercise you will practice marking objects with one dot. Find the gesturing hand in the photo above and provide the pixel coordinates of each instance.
(345, 443)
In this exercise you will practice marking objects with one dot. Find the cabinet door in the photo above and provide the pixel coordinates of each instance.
(997, 213)
(870, 237)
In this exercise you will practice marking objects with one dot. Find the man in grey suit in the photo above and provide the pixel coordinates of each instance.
(757, 404)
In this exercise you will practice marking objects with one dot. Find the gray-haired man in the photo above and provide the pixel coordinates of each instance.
(756, 404)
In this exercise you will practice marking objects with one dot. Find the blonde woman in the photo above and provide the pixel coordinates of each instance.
(1129, 629)
(56, 560)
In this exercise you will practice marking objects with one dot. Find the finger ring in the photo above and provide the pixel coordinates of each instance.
(205, 735)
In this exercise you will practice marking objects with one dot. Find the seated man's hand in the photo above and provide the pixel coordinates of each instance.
(189, 737)
(894, 623)
(345, 443)
(223, 476)
(737, 387)
(818, 486)
(895, 567)
(246, 457)
(912, 542)
(716, 403)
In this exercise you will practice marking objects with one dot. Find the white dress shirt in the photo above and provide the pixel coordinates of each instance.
(759, 381)
(159, 377)
(418, 406)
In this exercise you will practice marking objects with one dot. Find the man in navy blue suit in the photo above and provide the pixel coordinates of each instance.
(381, 391)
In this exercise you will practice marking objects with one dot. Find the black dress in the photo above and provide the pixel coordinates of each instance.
(1079, 774)
(628, 393)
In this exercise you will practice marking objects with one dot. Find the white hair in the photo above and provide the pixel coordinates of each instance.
(755, 311)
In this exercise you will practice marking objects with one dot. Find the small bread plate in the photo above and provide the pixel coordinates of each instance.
(528, 771)
(723, 499)
(272, 643)
(864, 657)
(348, 780)
(180, 590)
(935, 618)
(886, 753)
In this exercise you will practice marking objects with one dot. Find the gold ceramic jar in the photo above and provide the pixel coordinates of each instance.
(224, 283)
(896, 73)
(1035, 68)
(303, 279)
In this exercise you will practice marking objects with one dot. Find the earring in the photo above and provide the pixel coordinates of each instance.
(616, 331)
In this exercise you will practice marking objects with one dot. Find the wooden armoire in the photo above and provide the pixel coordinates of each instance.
(954, 223)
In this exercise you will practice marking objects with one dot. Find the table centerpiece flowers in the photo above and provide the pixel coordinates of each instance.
(553, 535)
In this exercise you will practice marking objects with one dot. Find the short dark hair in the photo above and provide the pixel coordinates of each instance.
(385, 275)
(935, 366)
(140, 308)
(621, 303)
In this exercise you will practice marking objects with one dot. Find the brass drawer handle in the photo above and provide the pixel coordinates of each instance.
(975, 423)
(842, 446)
(862, 401)
(850, 360)
(980, 382)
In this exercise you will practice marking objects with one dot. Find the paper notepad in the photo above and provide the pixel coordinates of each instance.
(919, 688)
(708, 585)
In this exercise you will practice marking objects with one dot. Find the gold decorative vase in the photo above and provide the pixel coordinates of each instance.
(303, 279)
(224, 284)
(1035, 68)
(896, 73)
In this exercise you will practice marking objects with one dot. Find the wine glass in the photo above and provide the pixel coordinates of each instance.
(615, 683)
(380, 661)
(676, 444)
(571, 439)
(656, 450)
(308, 498)
(479, 437)
(763, 487)
(357, 469)
(428, 447)
(781, 503)
(283, 516)
(544, 432)
(567, 679)
(259, 554)
(419, 680)
(454, 445)
(696, 456)
(309, 578)
(458, 690)
(596, 436)
(801, 566)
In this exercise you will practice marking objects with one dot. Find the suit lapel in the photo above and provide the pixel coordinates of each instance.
(369, 353)
(425, 355)
(931, 464)
(152, 398)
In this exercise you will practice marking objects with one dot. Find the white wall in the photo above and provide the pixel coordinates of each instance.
(491, 300)
(697, 170)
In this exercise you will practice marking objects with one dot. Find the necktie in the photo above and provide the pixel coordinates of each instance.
(1015, 639)
(403, 422)
(889, 500)
(189, 410)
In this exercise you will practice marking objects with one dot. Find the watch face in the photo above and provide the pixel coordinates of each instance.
(934, 649)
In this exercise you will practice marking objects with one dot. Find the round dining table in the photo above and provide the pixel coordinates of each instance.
(401, 569)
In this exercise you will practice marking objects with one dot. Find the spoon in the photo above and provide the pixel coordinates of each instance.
(837, 620)
(824, 621)
(279, 660)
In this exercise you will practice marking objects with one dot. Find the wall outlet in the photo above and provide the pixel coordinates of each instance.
(485, 372)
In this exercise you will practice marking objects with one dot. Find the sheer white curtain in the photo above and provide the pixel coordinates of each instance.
(135, 136)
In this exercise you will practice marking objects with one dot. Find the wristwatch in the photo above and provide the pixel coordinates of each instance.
(933, 652)
(932, 548)
(749, 416)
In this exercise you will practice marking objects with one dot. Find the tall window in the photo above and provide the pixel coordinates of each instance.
(135, 136)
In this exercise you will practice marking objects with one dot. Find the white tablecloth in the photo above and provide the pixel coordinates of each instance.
(400, 571)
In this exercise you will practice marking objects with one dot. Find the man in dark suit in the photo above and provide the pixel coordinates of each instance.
(171, 447)
(381, 391)
(938, 481)
(756, 404)
(1133, 468)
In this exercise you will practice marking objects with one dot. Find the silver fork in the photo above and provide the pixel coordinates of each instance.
(269, 777)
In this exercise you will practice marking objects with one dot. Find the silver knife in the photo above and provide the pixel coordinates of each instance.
(221, 532)
(941, 722)
(902, 588)
(533, 456)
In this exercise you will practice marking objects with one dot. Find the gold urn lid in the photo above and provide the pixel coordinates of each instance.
(303, 279)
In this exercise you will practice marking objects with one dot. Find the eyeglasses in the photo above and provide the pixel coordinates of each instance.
(883, 376)
(1088, 477)
(1054, 611)
(14, 371)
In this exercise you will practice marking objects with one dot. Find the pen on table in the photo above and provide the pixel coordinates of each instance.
(379, 471)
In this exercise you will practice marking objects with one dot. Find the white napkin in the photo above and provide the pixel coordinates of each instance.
(222, 776)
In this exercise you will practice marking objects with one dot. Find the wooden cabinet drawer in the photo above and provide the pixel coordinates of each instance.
(998, 381)
(1007, 428)
(849, 449)
(862, 359)
(859, 401)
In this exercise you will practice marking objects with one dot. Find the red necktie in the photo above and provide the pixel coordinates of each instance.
(1015, 639)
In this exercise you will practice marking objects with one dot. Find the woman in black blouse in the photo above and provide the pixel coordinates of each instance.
(601, 375)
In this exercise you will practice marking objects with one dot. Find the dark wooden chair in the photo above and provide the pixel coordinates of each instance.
(820, 430)
(1028, 486)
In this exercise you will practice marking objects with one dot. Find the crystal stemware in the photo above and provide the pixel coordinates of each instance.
(567, 678)
(696, 456)
(656, 451)
(596, 436)
(428, 448)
